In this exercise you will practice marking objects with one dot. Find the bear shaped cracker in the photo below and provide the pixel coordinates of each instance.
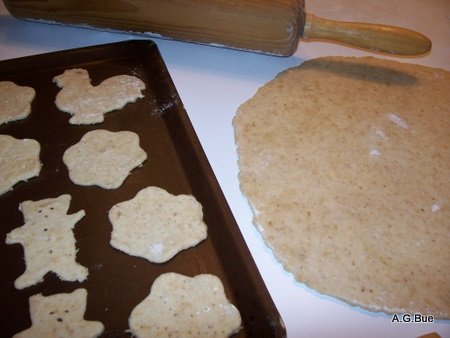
(19, 161)
(87, 103)
(60, 315)
(104, 158)
(156, 225)
(48, 241)
(181, 306)
(15, 101)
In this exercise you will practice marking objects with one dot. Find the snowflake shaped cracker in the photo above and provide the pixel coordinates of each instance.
(48, 241)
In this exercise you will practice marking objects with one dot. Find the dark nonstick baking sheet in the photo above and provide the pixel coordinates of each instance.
(176, 162)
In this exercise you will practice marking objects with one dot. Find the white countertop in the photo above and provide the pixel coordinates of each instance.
(213, 82)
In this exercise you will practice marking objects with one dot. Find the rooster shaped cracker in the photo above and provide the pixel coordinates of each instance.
(88, 103)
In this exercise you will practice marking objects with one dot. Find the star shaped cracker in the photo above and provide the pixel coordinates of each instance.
(104, 158)
(19, 161)
(48, 241)
(156, 225)
(60, 315)
(181, 306)
(88, 103)
(15, 101)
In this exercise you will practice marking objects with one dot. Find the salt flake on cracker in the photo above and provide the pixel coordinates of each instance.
(88, 103)
(19, 161)
(48, 241)
(104, 158)
(15, 101)
(60, 315)
(156, 225)
(181, 306)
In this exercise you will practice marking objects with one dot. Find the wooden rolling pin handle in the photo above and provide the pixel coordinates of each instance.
(387, 39)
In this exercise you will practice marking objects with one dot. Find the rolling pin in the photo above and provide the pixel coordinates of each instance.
(264, 26)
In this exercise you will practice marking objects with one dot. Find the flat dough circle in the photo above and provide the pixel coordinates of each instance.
(346, 164)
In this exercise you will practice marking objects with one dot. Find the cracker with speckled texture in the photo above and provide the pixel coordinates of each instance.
(48, 241)
(157, 225)
(19, 161)
(181, 306)
(87, 103)
(60, 315)
(104, 158)
(15, 101)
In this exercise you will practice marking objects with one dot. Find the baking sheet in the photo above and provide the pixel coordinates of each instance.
(176, 162)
